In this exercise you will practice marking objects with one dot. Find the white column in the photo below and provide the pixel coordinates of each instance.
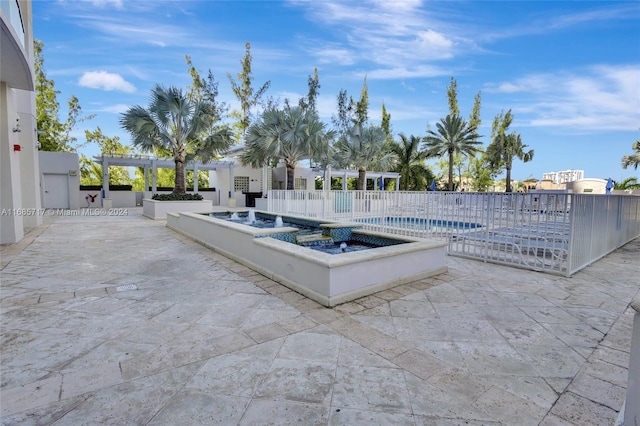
(11, 225)
(195, 178)
(154, 175)
(105, 177)
(29, 162)
(265, 180)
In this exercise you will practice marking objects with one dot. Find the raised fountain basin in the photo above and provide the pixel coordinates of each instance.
(329, 279)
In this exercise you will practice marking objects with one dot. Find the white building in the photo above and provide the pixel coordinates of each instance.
(564, 176)
(20, 198)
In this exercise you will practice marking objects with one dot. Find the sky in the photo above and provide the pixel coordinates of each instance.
(569, 71)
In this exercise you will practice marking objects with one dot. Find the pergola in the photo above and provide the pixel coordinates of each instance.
(349, 173)
(152, 164)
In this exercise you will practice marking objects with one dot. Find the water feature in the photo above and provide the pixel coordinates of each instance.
(279, 223)
(251, 216)
(329, 262)
(234, 217)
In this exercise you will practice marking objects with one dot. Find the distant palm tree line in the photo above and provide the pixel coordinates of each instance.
(184, 127)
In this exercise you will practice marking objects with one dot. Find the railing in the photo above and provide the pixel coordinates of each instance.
(630, 412)
(557, 233)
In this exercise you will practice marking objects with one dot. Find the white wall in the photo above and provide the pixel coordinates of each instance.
(280, 173)
(591, 186)
(11, 225)
(62, 163)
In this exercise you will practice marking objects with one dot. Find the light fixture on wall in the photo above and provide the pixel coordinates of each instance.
(17, 128)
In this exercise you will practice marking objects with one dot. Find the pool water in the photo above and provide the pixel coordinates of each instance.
(419, 223)
(262, 221)
(336, 248)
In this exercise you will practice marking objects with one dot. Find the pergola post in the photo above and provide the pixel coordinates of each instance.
(264, 181)
(230, 181)
(154, 175)
(105, 177)
(195, 178)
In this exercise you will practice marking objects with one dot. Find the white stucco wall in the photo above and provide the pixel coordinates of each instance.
(11, 225)
(590, 185)
(62, 163)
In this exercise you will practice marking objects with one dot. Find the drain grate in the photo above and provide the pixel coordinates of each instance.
(127, 287)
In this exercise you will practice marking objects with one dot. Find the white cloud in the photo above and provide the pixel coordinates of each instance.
(597, 98)
(386, 34)
(104, 3)
(105, 81)
(435, 44)
(115, 109)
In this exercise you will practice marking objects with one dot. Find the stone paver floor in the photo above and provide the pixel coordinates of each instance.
(118, 320)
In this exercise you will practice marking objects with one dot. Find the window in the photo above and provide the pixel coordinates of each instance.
(241, 183)
(300, 183)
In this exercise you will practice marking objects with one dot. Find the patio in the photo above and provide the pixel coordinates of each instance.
(119, 320)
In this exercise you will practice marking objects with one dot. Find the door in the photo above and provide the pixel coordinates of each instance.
(56, 191)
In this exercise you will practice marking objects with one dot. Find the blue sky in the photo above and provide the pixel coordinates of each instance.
(569, 71)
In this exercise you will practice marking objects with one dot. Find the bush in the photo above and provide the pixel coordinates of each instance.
(177, 197)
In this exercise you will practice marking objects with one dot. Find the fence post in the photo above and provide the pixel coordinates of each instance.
(632, 403)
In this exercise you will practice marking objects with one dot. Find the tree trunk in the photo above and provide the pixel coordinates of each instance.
(450, 170)
(508, 178)
(178, 158)
(362, 179)
(291, 168)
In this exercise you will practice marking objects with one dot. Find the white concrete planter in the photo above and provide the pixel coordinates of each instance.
(158, 209)
(328, 279)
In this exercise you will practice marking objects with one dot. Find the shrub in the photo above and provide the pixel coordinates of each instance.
(176, 197)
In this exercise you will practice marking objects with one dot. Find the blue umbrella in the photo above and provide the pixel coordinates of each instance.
(433, 185)
(609, 186)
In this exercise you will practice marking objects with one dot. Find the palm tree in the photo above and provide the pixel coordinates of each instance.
(290, 134)
(633, 159)
(628, 183)
(178, 124)
(410, 163)
(504, 149)
(454, 136)
(364, 148)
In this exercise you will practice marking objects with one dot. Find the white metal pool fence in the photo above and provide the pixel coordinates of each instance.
(557, 233)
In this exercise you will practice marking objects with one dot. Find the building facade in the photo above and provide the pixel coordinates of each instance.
(20, 198)
(565, 176)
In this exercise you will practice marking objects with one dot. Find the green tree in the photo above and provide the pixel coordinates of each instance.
(91, 172)
(452, 95)
(628, 183)
(344, 118)
(474, 117)
(174, 122)
(361, 107)
(245, 93)
(504, 148)
(453, 136)
(480, 172)
(410, 163)
(289, 134)
(310, 101)
(54, 135)
(386, 123)
(206, 90)
(632, 159)
(364, 148)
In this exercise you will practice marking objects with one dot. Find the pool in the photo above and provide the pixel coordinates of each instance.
(418, 223)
